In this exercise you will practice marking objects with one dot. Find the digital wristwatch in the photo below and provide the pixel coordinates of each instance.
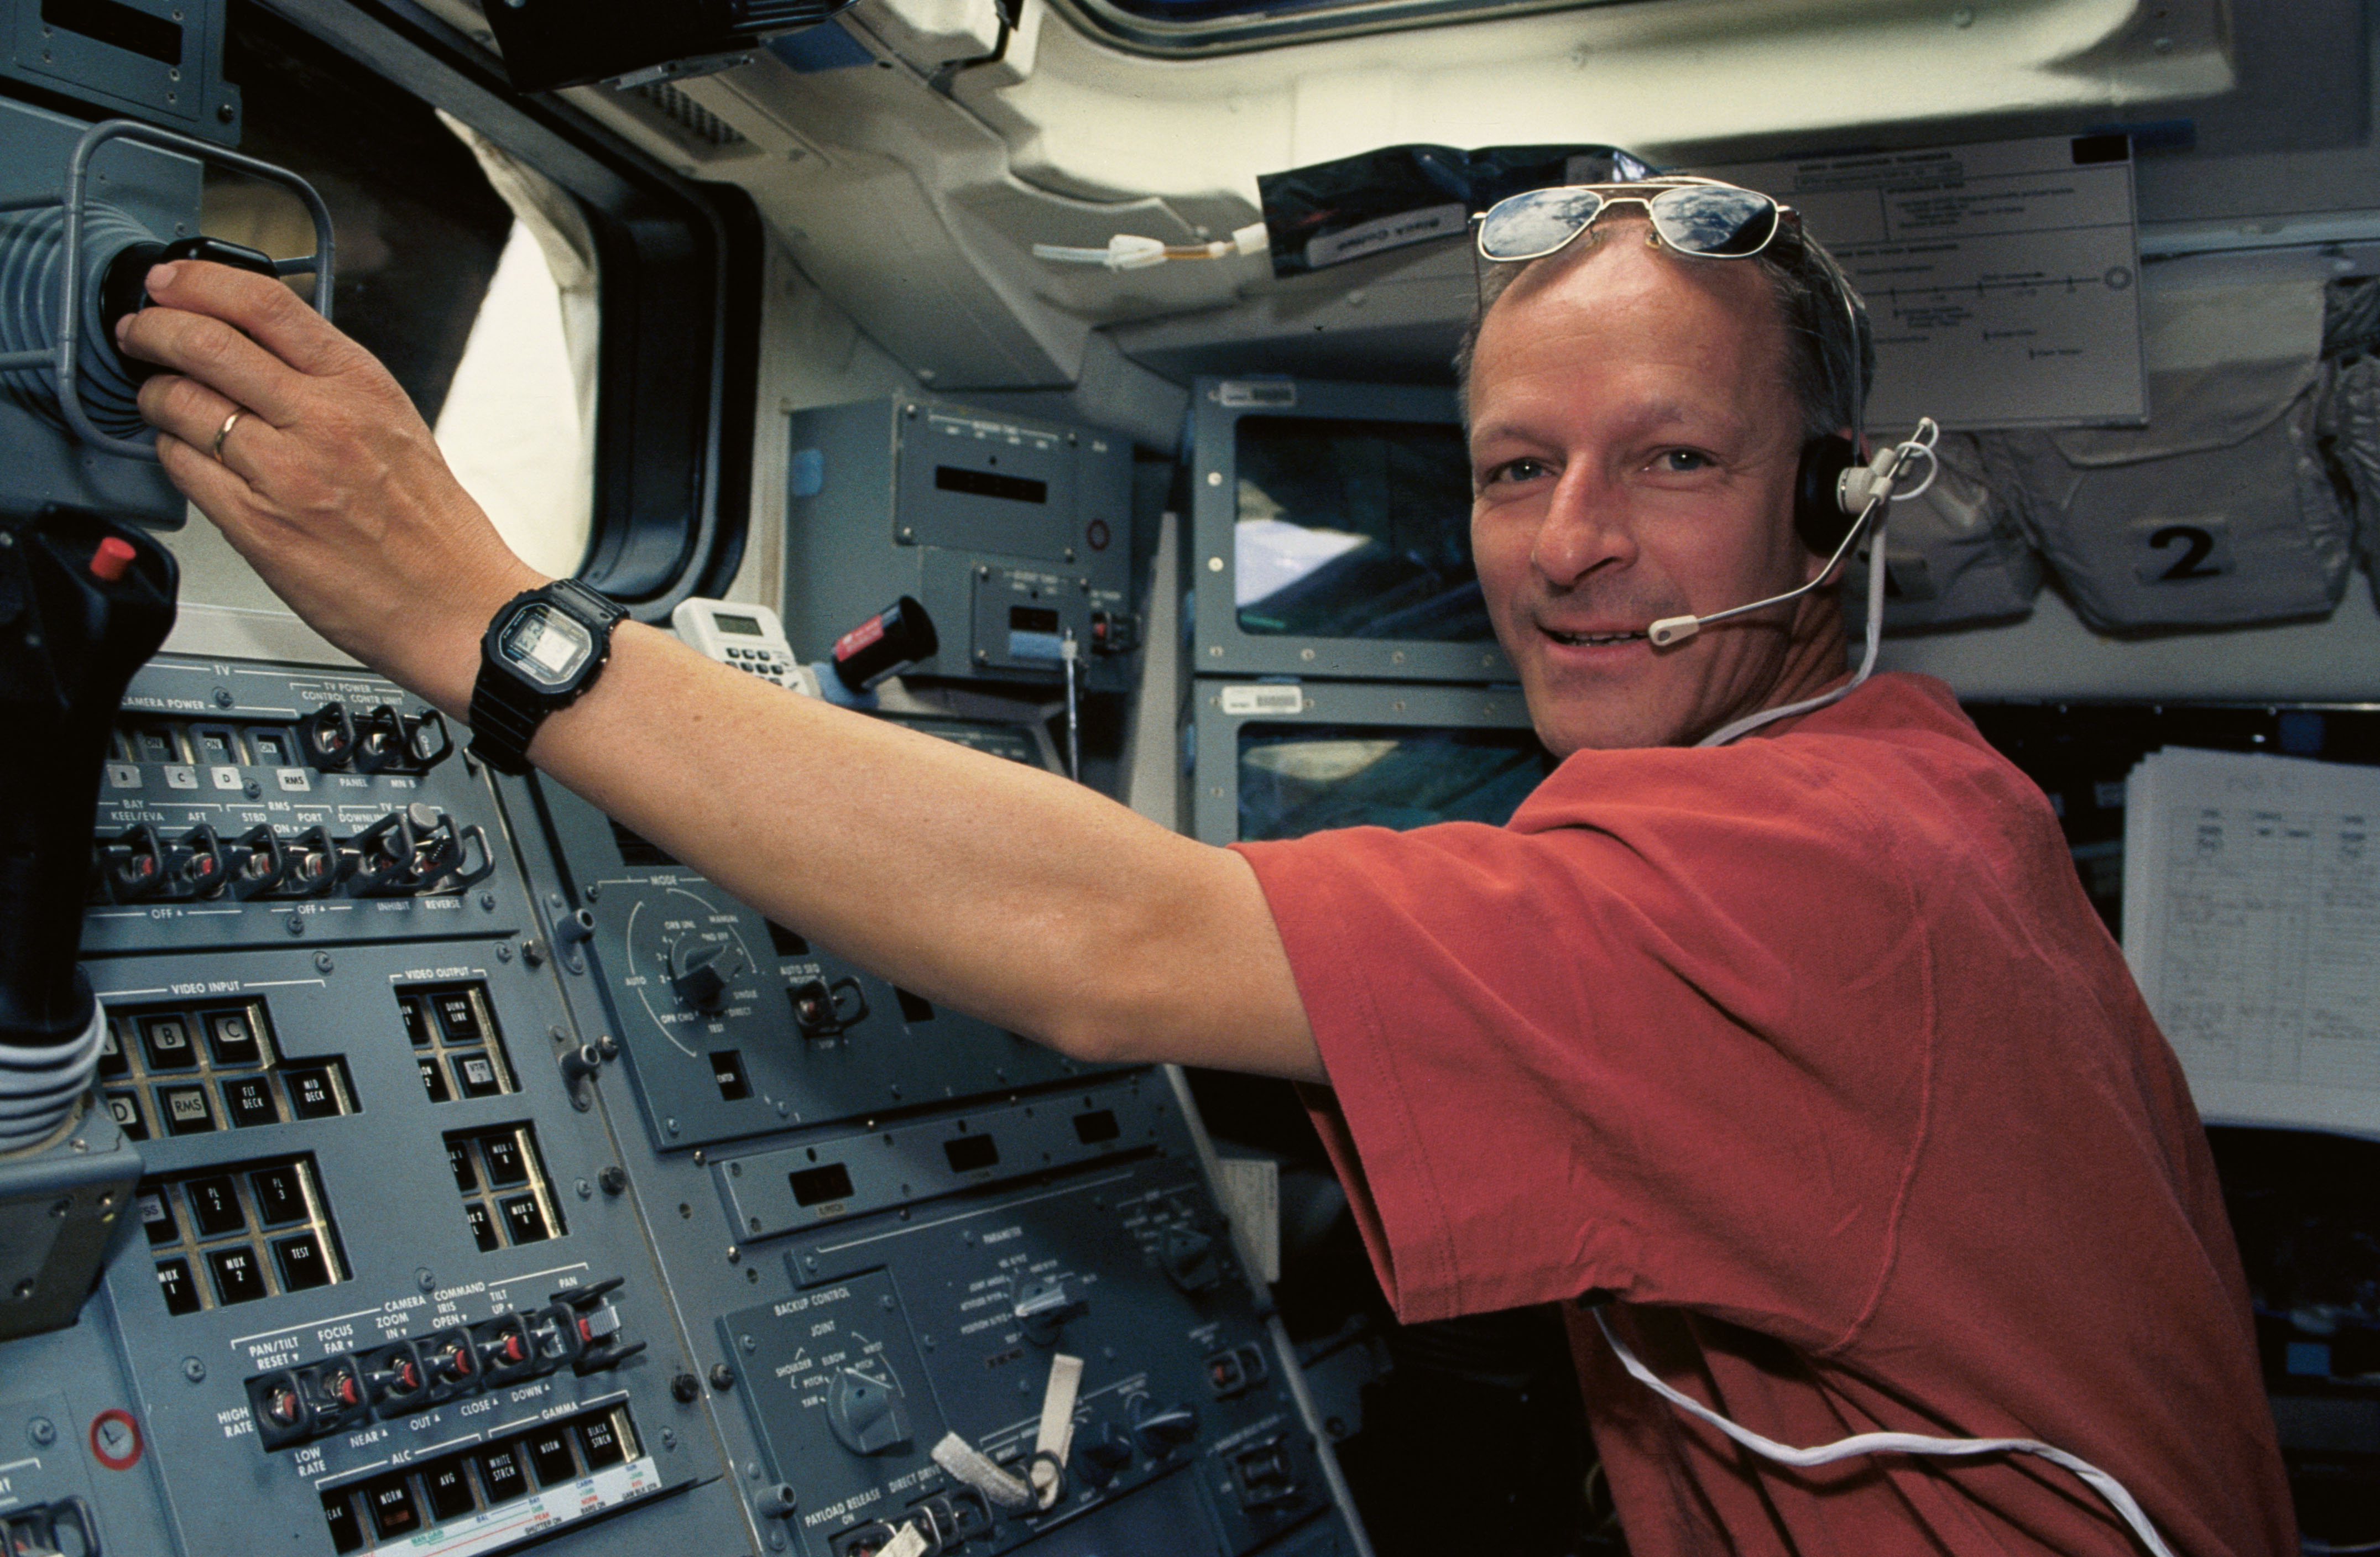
(541, 651)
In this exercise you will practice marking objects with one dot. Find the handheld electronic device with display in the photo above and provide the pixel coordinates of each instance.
(750, 638)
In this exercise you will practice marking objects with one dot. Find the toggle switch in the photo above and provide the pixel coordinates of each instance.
(328, 737)
(823, 1010)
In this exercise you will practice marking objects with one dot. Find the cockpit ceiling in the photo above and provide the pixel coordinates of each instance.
(910, 174)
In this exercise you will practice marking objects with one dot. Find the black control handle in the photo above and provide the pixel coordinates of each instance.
(84, 601)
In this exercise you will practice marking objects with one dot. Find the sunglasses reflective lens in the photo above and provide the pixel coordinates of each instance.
(1537, 222)
(1721, 222)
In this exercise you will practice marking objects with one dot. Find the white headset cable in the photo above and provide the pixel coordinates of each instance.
(2105, 1485)
(1874, 485)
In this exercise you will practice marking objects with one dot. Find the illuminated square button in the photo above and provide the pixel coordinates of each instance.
(280, 1198)
(123, 775)
(417, 1022)
(226, 777)
(232, 1035)
(300, 1259)
(186, 1109)
(458, 1157)
(113, 1061)
(157, 1217)
(347, 1532)
(458, 1017)
(181, 776)
(549, 1455)
(446, 1486)
(293, 781)
(524, 1222)
(390, 1502)
(126, 1110)
(239, 1278)
(181, 1291)
(501, 1474)
(483, 1227)
(598, 1439)
(507, 1166)
(433, 1080)
(475, 1074)
(168, 1042)
(247, 1100)
(214, 1206)
(311, 1096)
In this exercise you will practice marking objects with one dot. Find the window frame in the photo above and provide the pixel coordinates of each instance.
(1114, 22)
(678, 295)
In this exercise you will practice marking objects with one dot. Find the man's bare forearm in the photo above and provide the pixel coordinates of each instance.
(1000, 890)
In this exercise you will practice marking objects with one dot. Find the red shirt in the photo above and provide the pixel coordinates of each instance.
(1811, 1051)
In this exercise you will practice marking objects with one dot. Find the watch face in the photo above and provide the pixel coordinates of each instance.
(546, 645)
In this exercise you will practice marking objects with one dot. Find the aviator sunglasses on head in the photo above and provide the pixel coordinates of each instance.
(1716, 221)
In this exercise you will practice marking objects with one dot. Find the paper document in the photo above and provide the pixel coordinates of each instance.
(2251, 920)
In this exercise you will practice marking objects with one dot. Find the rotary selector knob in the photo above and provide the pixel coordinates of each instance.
(702, 971)
(1190, 1258)
(1161, 1428)
(1106, 1455)
(867, 1413)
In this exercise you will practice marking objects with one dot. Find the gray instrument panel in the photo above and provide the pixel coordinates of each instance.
(504, 1182)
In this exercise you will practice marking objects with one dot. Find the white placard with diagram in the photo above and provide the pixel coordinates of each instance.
(2002, 279)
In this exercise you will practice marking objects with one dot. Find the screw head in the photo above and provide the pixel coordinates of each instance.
(251, 789)
(614, 1179)
(194, 1370)
(322, 963)
(722, 1376)
(42, 1431)
(223, 697)
(685, 1388)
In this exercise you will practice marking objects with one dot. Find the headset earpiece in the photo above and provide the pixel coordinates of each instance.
(1820, 515)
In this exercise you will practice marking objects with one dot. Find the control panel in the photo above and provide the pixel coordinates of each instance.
(502, 1181)
(381, 1282)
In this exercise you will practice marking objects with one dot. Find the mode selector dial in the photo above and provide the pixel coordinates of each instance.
(867, 1413)
(1160, 1428)
(700, 973)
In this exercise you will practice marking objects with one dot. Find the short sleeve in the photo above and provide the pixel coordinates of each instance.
(1667, 1034)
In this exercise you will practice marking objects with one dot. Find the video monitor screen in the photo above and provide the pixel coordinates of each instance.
(1356, 529)
(1296, 779)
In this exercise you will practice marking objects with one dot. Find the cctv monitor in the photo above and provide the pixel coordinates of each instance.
(1331, 532)
(1275, 759)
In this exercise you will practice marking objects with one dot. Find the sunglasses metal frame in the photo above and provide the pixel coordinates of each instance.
(1644, 193)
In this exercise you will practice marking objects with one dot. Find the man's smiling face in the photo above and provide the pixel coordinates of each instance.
(1634, 445)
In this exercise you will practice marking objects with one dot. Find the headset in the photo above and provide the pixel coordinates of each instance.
(1836, 494)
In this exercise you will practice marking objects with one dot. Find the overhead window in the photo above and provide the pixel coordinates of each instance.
(1183, 27)
(483, 240)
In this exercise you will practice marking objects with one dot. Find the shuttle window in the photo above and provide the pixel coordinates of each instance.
(470, 274)
(1177, 26)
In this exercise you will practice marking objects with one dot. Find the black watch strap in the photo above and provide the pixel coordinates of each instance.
(506, 710)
